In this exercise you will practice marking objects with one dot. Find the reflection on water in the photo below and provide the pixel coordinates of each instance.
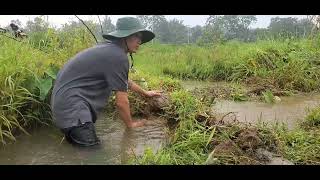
(289, 110)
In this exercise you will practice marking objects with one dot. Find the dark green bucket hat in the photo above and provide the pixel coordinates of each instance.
(127, 26)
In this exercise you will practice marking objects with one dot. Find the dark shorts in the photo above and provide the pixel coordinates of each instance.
(82, 135)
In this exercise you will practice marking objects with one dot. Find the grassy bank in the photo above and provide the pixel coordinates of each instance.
(284, 65)
(199, 138)
(27, 73)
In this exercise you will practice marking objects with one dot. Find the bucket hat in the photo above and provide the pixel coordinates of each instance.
(127, 26)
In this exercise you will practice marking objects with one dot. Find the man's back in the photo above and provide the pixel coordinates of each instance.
(86, 81)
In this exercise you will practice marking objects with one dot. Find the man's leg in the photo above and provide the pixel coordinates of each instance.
(83, 135)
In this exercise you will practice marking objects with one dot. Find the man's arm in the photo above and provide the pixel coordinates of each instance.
(122, 103)
(136, 88)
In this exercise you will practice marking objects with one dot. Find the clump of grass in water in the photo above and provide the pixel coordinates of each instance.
(239, 97)
(313, 118)
(268, 97)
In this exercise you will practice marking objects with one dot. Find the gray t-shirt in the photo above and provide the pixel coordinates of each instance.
(85, 83)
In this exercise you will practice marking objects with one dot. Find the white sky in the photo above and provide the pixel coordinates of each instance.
(191, 20)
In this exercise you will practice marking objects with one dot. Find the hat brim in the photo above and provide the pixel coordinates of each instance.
(146, 35)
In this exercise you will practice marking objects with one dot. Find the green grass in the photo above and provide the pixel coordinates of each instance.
(301, 146)
(26, 75)
(192, 143)
(268, 96)
(288, 65)
(18, 65)
(313, 118)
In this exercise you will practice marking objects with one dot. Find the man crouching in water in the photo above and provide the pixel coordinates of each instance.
(87, 80)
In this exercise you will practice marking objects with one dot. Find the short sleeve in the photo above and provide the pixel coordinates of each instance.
(117, 74)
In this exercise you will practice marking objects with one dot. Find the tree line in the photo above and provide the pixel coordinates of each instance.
(218, 28)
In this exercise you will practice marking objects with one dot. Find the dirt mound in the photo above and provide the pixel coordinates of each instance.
(210, 118)
(243, 146)
(248, 139)
(154, 105)
(210, 93)
(257, 85)
(158, 103)
(227, 148)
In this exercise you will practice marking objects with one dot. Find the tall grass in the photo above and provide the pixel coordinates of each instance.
(288, 65)
(17, 61)
(26, 75)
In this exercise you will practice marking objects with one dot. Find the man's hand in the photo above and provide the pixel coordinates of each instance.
(153, 93)
(136, 88)
(136, 123)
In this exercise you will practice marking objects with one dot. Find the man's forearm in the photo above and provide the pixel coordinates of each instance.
(125, 114)
(136, 88)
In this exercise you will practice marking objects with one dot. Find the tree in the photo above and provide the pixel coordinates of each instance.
(237, 27)
(262, 33)
(81, 29)
(213, 30)
(227, 27)
(315, 20)
(145, 20)
(163, 32)
(107, 25)
(283, 27)
(153, 23)
(37, 25)
(178, 31)
(290, 27)
(304, 27)
(196, 33)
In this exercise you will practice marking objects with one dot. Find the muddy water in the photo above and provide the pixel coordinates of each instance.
(290, 110)
(44, 146)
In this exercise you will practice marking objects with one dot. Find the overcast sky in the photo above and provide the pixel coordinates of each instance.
(191, 20)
